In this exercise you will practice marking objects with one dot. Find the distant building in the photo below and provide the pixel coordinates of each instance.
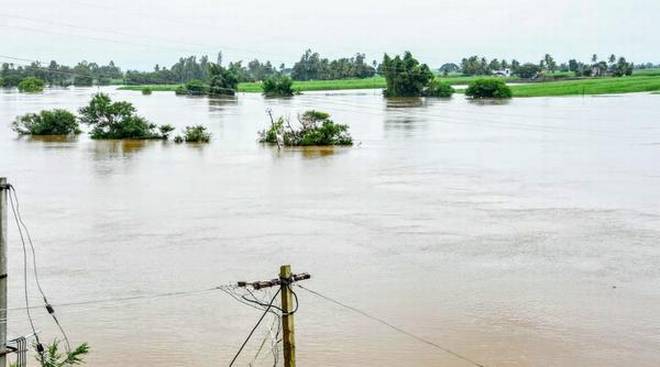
(503, 72)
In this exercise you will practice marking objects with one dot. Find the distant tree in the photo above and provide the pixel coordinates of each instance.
(494, 65)
(405, 77)
(594, 58)
(528, 71)
(550, 63)
(573, 65)
(622, 67)
(612, 59)
(474, 65)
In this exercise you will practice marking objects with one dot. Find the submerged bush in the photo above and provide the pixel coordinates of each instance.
(278, 86)
(55, 122)
(194, 134)
(488, 88)
(146, 91)
(31, 85)
(222, 81)
(118, 120)
(438, 88)
(316, 128)
(196, 87)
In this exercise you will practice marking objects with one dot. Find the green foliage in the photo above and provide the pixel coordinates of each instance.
(312, 67)
(55, 122)
(146, 91)
(316, 129)
(405, 77)
(438, 88)
(488, 88)
(31, 85)
(528, 70)
(475, 65)
(83, 81)
(52, 357)
(222, 81)
(194, 134)
(278, 86)
(196, 87)
(117, 120)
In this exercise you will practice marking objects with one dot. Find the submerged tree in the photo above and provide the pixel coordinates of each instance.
(118, 120)
(405, 77)
(222, 81)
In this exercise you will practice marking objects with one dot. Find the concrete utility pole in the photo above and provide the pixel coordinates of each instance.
(4, 191)
(288, 308)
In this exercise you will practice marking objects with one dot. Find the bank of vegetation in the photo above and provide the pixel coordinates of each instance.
(106, 119)
(313, 128)
(201, 76)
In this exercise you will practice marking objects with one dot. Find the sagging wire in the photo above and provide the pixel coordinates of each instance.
(270, 304)
(39, 346)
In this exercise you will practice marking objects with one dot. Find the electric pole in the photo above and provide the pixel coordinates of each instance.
(4, 191)
(288, 308)
(288, 331)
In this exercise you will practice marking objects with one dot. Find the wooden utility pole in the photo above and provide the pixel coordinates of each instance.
(289, 335)
(4, 191)
(289, 307)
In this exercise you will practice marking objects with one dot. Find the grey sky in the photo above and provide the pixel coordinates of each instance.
(141, 33)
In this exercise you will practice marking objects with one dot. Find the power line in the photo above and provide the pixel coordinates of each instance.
(50, 309)
(393, 327)
(270, 304)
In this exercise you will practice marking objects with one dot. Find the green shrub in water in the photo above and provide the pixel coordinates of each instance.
(488, 88)
(55, 122)
(316, 128)
(118, 120)
(31, 85)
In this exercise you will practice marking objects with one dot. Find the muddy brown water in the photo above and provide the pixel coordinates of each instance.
(523, 233)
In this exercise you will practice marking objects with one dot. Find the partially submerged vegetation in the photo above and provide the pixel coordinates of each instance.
(194, 134)
(55, 122)
(119, 120)
(488, 88)
(406, 77)
(316, 128)
(278, 86)
(31, 85)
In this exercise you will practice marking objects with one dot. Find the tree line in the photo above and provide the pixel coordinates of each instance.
(476, 65)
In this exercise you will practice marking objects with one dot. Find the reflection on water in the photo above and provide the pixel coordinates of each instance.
(220, 103)
(496, 230)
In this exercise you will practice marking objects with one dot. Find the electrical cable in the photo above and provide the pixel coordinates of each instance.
(49, 307)
(395, 328)
(39, 346)
(254, 328)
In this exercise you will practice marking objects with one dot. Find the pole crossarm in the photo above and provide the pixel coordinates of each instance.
(259, 284)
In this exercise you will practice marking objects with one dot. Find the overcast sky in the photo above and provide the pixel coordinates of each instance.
(137, 34)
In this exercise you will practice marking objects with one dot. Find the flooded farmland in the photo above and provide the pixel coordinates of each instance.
(521, 233)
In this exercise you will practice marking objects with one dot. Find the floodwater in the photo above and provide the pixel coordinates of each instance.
(523, 233)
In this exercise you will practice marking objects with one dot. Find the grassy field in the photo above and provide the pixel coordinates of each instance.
(631, 84)
(647, 80)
